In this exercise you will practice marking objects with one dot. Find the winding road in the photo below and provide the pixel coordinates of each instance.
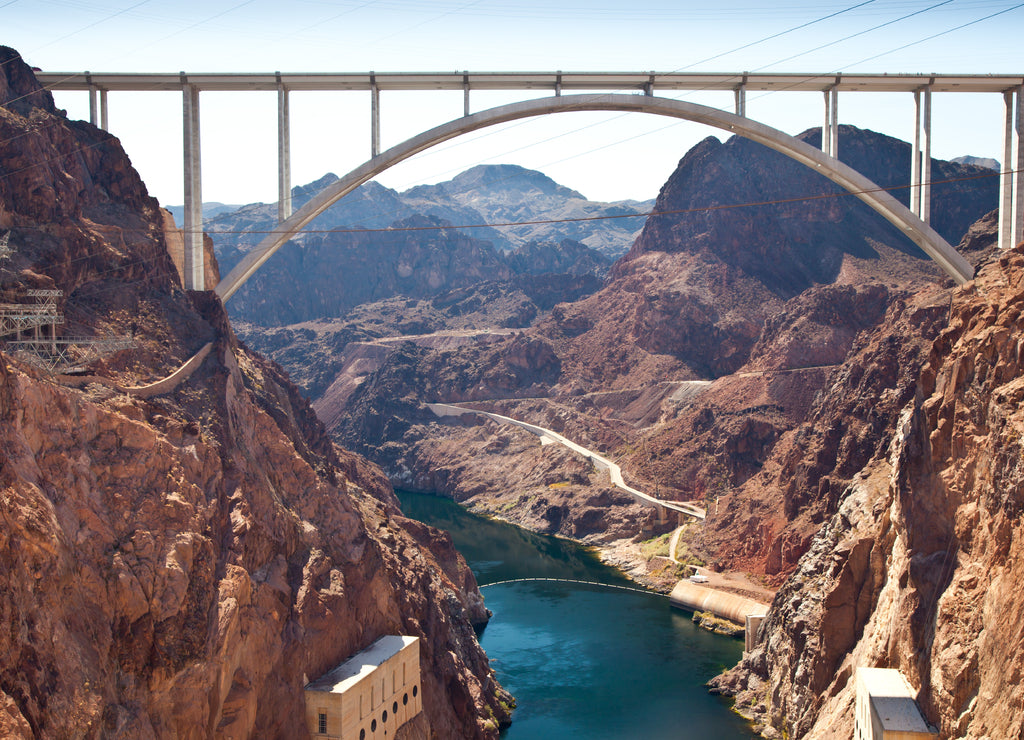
(599, 461)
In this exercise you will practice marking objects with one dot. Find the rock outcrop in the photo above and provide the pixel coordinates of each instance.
(919, 567)
(179, 566)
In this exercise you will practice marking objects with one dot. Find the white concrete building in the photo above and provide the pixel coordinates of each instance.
(370, 695)
(886, 708)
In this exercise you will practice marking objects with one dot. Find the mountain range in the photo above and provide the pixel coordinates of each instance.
(376, 243)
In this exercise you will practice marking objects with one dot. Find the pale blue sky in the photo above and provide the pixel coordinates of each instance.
(605, 156)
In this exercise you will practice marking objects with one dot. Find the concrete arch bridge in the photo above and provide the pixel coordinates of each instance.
(912, 221)
(881, 201)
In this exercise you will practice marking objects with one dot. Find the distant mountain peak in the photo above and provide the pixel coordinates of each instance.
(311, 189)
(987, 162)
(503, 177)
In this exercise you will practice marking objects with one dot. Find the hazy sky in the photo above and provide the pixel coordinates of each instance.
(604, 156)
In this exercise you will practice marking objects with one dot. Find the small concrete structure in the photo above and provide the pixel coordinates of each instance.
(370, 695)
(750, 628)
(886, 708)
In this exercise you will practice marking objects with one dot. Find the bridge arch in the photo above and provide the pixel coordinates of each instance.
(885, 204)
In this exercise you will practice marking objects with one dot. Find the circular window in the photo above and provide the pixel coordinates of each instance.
(373, 726)
(415, 690)
(384, 717)
(394, 708)
(405, 699)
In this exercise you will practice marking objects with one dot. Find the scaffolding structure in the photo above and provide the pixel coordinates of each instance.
(40, 318)
(67, 354)
(29, 331)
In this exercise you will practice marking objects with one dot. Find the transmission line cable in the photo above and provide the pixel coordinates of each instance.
(776, 35)
(937, 35)
(104, 274)
(904, 46)
(93, 25)
(855, 35)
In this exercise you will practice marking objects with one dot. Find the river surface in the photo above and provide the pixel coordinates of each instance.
(585, 661)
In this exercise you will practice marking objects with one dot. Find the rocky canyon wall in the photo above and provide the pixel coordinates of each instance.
(920, 567)
(178, 566)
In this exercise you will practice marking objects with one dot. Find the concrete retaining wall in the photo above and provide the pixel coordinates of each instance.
(693, 597)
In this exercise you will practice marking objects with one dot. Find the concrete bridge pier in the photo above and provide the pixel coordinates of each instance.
(97, 104)
(284, 154)
(830, 128)
(921, 157)
(662, 514)
(740, 94)
(374, 117)
(194, 267)
(1011, 178)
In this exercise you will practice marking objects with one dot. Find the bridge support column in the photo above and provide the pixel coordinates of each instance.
(104, 123)
(830, 128)
(1011, 180)
(1018, 175)
(93, 117)
(284, 154)
(923, 152)
(98, 107)
(915, 159)
(194, 261)
(374, 117)
(97, 104)
(740, 93)
(465, 94)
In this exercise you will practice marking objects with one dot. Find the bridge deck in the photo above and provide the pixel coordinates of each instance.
(593, 81)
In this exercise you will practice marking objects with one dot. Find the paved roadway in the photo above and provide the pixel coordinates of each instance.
(599, 461)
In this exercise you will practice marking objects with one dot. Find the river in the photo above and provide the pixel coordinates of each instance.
(585, 661)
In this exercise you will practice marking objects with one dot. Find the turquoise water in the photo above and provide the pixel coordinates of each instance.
(585, 661)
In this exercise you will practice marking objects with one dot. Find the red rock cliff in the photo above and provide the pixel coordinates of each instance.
(178, 566)
(920, 568)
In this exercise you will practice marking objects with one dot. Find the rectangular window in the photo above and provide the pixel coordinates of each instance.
(322, 723)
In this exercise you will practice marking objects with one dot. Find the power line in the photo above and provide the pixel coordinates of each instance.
(855, 35)
(584, 219)
(937, 35)
(611, 217)
(103, 274)
(777, 35)
(767, 38)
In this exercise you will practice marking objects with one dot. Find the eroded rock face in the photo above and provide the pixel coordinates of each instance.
(178, 566)
(918, 570)
(167, 576)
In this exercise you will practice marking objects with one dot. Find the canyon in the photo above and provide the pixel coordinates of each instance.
(847, 415)
(768, 348)
(708, 364)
